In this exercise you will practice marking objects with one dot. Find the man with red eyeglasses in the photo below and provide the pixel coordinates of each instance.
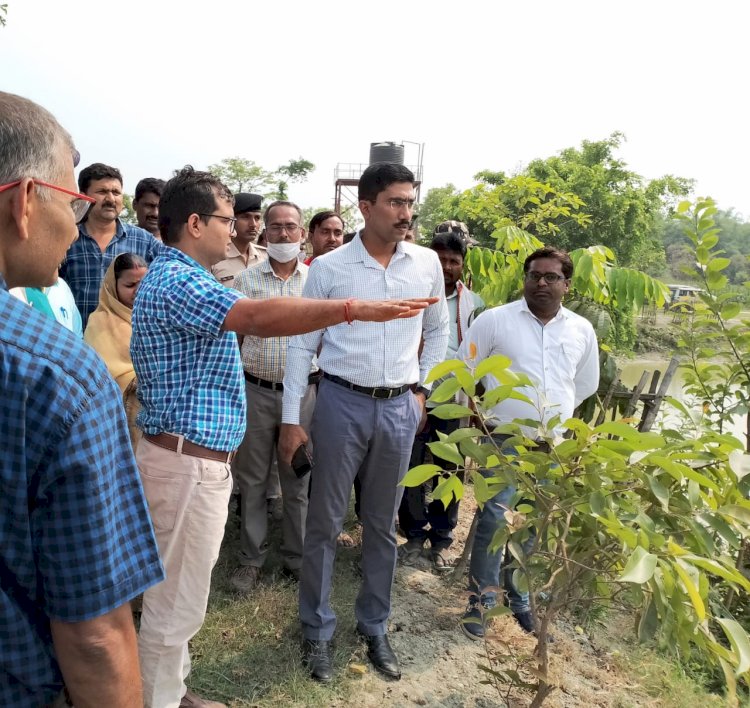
(76, 542)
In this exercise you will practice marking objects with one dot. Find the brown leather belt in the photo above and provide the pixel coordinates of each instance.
(171, 442)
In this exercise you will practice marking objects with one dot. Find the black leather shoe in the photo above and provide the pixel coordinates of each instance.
(316, 656)
(381, 655)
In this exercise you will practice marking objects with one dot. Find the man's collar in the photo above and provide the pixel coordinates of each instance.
(253, 251)
(356, 252)
(177, 254)
(562, 312)
(119, 230)
(3, 284)
(266, 267)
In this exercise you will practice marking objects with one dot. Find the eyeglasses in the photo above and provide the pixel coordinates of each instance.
(549, 278)
(401, 203)
(277, 229)
(231, 221)
(80, 205)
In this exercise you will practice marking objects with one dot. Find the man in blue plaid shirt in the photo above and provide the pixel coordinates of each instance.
(102, 236)
(76, 542)
(192, 389)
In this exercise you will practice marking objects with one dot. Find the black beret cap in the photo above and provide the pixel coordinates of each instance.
(244, 201)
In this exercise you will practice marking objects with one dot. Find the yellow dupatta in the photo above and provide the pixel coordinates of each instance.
(109, 330)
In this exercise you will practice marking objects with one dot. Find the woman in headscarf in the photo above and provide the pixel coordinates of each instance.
(109, 330)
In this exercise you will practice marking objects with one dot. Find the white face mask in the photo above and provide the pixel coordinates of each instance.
(283, 252)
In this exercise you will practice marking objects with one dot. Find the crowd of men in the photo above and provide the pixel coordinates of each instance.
(284, 375)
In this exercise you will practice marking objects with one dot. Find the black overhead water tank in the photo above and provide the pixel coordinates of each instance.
(386, 152)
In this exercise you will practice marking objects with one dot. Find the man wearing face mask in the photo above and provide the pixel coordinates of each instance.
(263, 361)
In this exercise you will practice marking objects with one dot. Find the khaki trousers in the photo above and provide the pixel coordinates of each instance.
(251, 468)
(187, 497)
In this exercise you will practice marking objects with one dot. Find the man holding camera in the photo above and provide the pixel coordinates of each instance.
(263, 361)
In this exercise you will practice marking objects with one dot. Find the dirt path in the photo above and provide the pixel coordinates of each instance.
(441, 666)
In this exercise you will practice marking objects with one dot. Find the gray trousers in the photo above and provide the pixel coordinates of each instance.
(251, 468)
(354, 433)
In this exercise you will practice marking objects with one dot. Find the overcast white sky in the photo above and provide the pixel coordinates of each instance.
(151, 86)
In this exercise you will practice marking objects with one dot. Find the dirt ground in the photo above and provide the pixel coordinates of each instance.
(247, 653)
(441, 666)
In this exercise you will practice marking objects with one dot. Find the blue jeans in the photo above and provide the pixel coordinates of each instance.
(486, 567)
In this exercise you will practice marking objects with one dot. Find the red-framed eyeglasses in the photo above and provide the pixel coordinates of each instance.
(80, 205)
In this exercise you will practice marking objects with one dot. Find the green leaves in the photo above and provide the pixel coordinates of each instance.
(444, 368)
(451, 411)
(446, 451)
(740, 644)
(419, 475)
(496, 365)
(639, 568)
(445, 391)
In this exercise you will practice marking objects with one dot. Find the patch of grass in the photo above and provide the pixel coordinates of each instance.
(652, 672)
(248, 651)
(664, 679)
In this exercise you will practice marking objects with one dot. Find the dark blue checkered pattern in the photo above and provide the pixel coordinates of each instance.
(75, 534)
(85, 263)
(189, 371)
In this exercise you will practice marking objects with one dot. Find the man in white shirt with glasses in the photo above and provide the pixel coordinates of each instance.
(370, 402)
(557, 349)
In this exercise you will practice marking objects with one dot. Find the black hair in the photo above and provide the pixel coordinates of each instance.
(147, 185)
(348, 238)
(381, 175)
(549, 252)
(188, 192)
(449, 242)
(128, 261)
(98, 170)
(282, 203)
(321, 216)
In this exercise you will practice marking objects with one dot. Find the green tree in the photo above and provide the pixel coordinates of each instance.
(242, 175)
(654, 522)
(715, 341)
(128, 213)
(439, 204)
(735, 243)
(293, 171)
(624, 208)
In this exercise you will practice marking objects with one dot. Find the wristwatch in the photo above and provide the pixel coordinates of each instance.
(424, 391)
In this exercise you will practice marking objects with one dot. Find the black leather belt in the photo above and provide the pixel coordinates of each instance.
(273, 386)
(375, 392)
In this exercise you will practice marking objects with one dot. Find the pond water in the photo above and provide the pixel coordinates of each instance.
(631, 371)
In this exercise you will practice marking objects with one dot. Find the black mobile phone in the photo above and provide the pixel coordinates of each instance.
(302, 461)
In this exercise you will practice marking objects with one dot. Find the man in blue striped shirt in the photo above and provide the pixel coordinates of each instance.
(76, 542)
(102, 236)
(370, 403)
(191, 386)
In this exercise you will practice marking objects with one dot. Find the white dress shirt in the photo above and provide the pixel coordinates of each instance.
(561, 358)
(371, 353)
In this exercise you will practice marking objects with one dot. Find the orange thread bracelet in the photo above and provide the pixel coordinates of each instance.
(347, 310)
